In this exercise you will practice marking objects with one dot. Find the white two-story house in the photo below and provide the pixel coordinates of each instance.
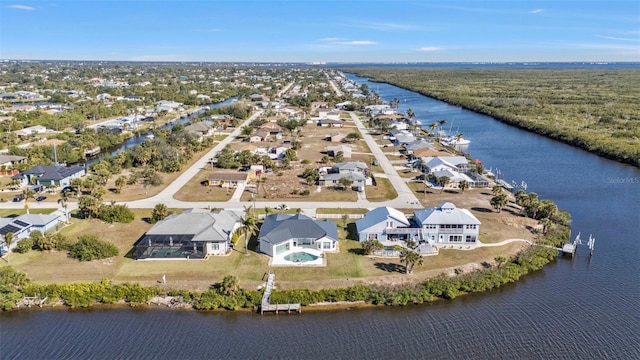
(447, 224)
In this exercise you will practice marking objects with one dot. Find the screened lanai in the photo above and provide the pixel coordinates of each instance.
(173, 246)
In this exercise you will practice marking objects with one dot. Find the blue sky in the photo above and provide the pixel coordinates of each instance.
(321, 30)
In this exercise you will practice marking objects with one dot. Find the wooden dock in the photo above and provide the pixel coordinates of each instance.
(280, 307)
(266, 306)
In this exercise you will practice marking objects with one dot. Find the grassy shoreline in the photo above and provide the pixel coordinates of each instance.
(593, 109)
(15, 286)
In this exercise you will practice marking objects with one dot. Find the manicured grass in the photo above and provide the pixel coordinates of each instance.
(382, 192)
(348, 263)
(341, 211)
(18, 212)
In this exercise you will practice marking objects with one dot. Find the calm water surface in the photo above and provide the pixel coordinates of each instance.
(581, 308)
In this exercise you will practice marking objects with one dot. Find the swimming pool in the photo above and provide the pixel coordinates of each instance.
(300, 257)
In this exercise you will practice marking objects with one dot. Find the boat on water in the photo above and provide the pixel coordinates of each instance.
(457, 140)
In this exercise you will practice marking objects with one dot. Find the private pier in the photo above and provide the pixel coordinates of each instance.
(266, 306)
(570, 248)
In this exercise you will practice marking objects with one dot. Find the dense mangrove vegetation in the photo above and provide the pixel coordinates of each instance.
(594, 109)
(227, 294)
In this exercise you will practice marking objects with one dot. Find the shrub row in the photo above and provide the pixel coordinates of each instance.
(87, 294)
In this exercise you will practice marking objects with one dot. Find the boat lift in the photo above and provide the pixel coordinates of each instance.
(570, 248)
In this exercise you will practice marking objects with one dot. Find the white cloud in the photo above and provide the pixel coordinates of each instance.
(429, 48)
(22, 7)
(617, 38)
(342, 41)
(536, 11)
(356, 42)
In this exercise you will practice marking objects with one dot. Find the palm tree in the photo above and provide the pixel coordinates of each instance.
(410, 114)
(433, 127)
(410, 258)
(249, 226)
(8, 239)
(64, 203)
(441, 122)
(464, 184)
(497, 190)
(499, 201)
(443, 181)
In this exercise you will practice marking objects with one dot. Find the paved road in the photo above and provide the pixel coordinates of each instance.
(405, 199)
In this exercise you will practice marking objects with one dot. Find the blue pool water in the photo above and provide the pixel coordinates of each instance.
(300, 257)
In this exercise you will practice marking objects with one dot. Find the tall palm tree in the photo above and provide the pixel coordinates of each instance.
(443, 181)
(441, 122)
(249, 226)
(64, 203)
(464, 184)
(8, 239)
(433, 127)
(497, 190)
(410, 114)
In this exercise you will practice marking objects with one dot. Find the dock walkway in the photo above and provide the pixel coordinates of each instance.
(266, 306)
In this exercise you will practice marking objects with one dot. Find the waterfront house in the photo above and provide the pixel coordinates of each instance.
(378, 224)
(50, 175)
(201, 129)
(22, 226)
(283, 233)
(447, 224)
(192, 234)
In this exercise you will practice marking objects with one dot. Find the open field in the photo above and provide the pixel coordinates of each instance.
(594, 109)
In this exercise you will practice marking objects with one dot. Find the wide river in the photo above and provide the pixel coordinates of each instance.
(580, 308)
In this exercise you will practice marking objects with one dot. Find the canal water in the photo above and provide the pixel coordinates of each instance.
(136, 140)
(580, 308)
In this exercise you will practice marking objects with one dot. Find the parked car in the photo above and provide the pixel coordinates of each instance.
(41, 198)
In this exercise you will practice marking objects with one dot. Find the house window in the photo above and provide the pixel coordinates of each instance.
(471, 227)
(455, 238)
(470, 238)
(389, 224)
(326, 245)
(372, 236)
(282, 248)
(215, 246)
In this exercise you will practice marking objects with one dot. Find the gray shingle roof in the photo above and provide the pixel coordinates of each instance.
(202, 224)
(278, 228)
(51, 172)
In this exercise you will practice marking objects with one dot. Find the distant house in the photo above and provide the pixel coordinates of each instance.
(201, 129)
(46, 175)
(329, 114)
(282, 234)
(336, 137)
(256, 97)
(192, 234)
(31, 130)
(334, 150)
(330, 123)
(228, 180)
(358, 180)
(350, 167)
(10, 161)
(378, 224)
(23, 225)
(447, 224)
